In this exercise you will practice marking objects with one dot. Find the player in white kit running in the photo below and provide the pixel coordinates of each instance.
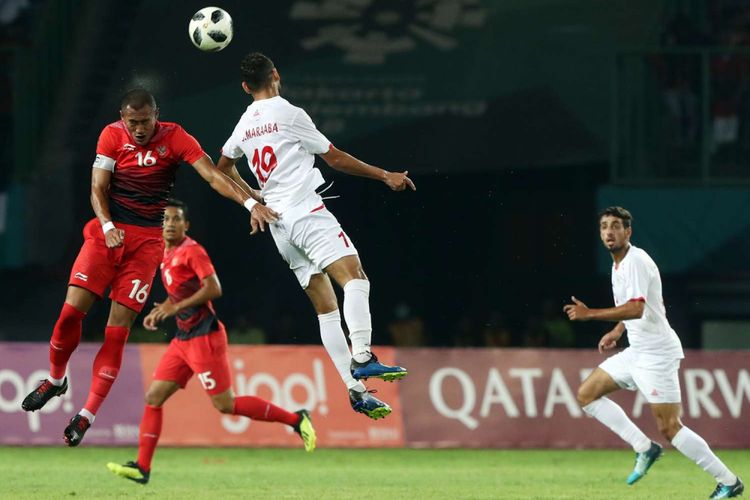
(650, 364)
(280, 142)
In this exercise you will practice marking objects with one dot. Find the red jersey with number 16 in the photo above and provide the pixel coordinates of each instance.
(182, 271)
(143, 176)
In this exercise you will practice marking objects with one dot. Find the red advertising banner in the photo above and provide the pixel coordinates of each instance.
(24, 364)
(488, 398)
(292, 377)
(525, 398)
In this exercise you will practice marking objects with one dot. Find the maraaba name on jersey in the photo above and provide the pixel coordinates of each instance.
(262, 130)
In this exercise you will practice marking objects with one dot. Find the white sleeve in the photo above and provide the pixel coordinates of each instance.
(104, 162)
(312, 140)
(231, 148)
(638, 278)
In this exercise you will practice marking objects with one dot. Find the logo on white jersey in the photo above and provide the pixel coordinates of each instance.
(81, 276)
(128, 147)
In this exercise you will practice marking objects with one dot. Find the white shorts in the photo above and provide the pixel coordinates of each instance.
(656, 377)
(309, 238)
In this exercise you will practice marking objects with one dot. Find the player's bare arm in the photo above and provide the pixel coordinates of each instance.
(344, 162)
(578, 311)
(260, 215)
(210, 290)
(218, 181)
(228, 166)
(609, 339)
(100, 179)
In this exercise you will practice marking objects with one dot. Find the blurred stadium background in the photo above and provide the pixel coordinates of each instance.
(518, 120)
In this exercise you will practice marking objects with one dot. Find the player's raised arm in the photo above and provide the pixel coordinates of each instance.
(100, 179)
(259, 214)
(344, 162)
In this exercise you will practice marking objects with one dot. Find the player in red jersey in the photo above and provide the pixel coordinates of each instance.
(199, 346)
(132, 176)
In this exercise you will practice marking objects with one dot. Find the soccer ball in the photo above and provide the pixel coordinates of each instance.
(210, 29)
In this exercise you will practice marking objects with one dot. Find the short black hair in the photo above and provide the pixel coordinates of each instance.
(174, 202)
(620, 213)
(256, 70)
(137, 99)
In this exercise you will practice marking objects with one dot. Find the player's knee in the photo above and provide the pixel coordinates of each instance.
(351, 270)
(224, 405)
(584, 396)
(669, 427)
(359, 273)
(154, 398)
(121, 316)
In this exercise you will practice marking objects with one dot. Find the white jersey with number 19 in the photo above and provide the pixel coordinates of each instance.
(280, 142)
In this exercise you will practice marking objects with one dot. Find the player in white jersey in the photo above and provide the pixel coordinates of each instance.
(650, 364)
(280, 142)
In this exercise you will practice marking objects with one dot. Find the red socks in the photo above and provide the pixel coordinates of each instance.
(260, 409)
(248, 406)
(149, 435)
(106, 366)
(65, 338)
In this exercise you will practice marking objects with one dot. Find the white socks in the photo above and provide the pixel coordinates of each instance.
(85, 413)
(695, 448)
(334, 341)
(610, 414)
(57, 382)
(686, 441)
(357, 316)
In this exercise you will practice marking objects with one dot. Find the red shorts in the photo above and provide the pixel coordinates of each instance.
(128, 269)
(205, 355)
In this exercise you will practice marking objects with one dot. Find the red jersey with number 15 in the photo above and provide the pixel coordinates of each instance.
(182, 271)
(143, 176)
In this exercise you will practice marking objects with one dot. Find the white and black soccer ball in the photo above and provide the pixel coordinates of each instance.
(210, 29)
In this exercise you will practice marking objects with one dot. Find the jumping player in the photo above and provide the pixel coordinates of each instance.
(132, 176)
(199, 346)
(280, 142)
(650, 364)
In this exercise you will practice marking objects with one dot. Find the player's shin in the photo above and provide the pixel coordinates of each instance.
(613, 416)
(65, 338)
(334, 341)
(106, 366)
(259, 409)
(357, 316)
(695, 448)
(149, 434)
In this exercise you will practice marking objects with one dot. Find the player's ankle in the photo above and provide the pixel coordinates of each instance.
(362, 357)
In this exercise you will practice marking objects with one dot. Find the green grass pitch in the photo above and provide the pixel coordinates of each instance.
(193, 473)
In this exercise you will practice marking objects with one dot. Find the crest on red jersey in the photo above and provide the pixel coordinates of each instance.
(162, 150)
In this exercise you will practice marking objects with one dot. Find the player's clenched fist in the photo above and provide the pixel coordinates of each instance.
(114, 238)
(398, 181)
(149, 322)
(609, 340)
